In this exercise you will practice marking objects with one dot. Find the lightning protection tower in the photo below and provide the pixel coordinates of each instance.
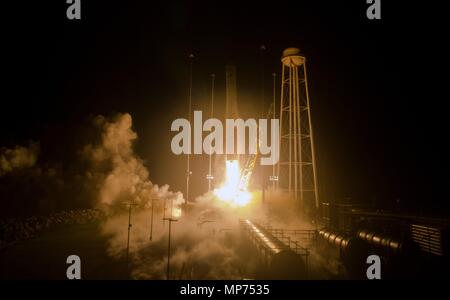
(296, 169)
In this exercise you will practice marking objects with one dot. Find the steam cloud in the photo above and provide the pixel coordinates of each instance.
(204, 239)
(126, 178)
(19, 157)
(199, 249)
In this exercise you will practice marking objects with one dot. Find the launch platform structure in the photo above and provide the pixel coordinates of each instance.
(296, 170)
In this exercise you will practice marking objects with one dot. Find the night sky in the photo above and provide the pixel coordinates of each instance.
(378, 119)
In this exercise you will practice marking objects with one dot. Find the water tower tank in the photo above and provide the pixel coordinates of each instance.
(292, 57)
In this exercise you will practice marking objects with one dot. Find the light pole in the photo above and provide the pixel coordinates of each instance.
(151, 222)
(130, 204)
(164, 212)
(170, 219)
(168, 247)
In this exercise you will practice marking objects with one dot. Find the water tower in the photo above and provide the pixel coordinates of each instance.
(296, 169)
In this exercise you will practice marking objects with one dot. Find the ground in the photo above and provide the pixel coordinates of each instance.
(44, 257)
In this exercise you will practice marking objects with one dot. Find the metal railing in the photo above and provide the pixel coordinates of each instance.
(284, 237)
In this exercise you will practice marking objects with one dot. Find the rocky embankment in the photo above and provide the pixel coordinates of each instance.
(15, 230)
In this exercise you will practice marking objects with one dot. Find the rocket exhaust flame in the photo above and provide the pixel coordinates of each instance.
(231, 192)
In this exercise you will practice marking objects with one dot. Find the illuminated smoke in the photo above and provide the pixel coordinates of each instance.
(204, 239)
(202, 242)
(126, 179)
(18, 158)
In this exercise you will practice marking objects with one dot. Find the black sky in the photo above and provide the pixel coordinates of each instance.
(379, 123)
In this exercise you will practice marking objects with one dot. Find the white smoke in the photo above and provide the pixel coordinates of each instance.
(204, 239)
(199, 250)
(19, 157)
(120, 178)
(120, 174)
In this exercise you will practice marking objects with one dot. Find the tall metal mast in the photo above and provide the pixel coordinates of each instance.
(188, 167)
(273, 178)
(210, 177)
(263, 94)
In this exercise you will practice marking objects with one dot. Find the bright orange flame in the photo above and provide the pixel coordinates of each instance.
(230, 192)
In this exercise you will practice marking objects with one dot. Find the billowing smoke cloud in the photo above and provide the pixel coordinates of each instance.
(201, 243)
(204, 240)
(120, 174)
(18, 158)
(205, 237)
